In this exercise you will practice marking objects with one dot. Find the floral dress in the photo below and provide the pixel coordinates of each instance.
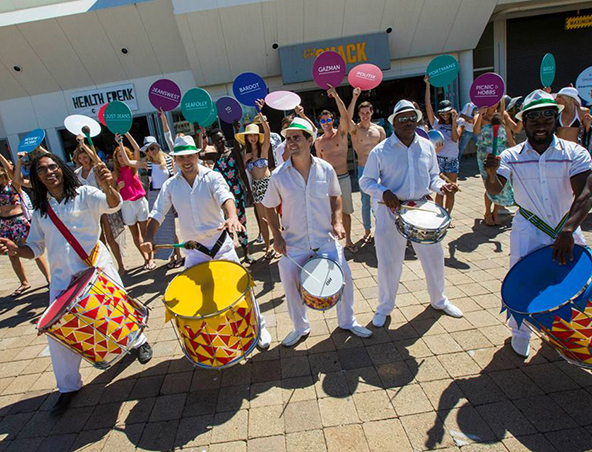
(229, 169)
(484, 147)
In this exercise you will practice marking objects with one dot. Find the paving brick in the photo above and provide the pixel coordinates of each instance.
(299, 416)
(577, 403)
(480, 390)
(544, 413)
(159, 435)
(409, 399)
(459, 364)
(421, 439)
(59, 443)
(515, 384)
(529, 443)
(309, 441)
(266, 421)
(194, 431)
(386, 435)
(443, 394)
(168, 408)
(336, 411)
(271, 443)
(135, 411)
(230, 426)
(374, 405)
(347, 437)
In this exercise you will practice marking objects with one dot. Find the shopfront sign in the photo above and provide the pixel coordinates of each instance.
(90, 102)
(297, 60)
(575, 23)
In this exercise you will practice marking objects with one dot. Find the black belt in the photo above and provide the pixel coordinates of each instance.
(211, 252)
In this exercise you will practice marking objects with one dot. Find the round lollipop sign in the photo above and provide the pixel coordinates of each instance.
(32, 140)
(442, 71)
(584, 85)
(196, 105)
(211, 118)
(365, 76)
(229, 110)
(487, 90)
(165, 94)
(75, 123)
(547, 71)
(328, 69)
(101, 115)
(283, 100)
(249, 87)
(118, 117)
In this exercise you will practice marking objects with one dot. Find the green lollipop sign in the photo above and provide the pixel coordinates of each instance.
(442, 71)
(118, 117)
(196, 106)
(548, 68)
(211, 118)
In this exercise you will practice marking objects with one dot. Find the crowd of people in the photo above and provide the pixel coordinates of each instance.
(304, 205)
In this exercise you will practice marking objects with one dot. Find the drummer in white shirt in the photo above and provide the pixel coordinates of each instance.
(202, 200)
(308, 189)
(404, 168)
(79, 207)
(551, 179)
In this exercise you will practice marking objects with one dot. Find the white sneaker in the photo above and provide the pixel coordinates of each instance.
(451, 310)
(521, 345)
(360, 331)
(379, 320)
(292, 339)
(264, 339)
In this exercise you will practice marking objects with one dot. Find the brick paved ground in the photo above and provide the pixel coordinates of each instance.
(424, 381)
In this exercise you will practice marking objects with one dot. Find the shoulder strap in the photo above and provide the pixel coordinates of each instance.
(88, 260)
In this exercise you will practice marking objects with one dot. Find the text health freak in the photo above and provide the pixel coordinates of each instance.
(95, 99)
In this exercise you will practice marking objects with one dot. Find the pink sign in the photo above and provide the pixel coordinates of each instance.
(102, 114)
(165, 94)
(487, 90)
(283, 100)
(365, 76)
(328, 69)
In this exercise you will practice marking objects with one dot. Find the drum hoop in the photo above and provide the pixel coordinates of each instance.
(571, 300)
(329, 259)
(217, 313)
(445, 225)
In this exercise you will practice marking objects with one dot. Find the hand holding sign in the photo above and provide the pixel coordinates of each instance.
(118, 117)
(328, 69)
(487, 90)
(164, 94)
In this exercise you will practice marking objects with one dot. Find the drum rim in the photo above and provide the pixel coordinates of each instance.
(445, 225)
(214, 314)
(329, 259)
(569, 301)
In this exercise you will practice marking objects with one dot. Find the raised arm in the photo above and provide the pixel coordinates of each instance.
(456, 130)
(135, 146)
(299, 110)
(168, 136)
(351, 110)
(344, 120)
(17, 179)
(7, 166)
(428, 100)
(266, 130)
(478, 122)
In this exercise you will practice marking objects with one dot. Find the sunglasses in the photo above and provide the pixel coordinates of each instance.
(43, 170)
(152, 148)
(404, 119)
(326, 121)
(550, 113)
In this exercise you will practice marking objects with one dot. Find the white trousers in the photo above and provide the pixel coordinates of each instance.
(289, 275)
(226, 253)
(390, 250)
(65, 362)
(524, 239)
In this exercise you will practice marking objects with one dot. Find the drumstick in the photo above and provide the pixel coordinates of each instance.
(409, 207)
(446, 179)
(171, 245)
(303, 269)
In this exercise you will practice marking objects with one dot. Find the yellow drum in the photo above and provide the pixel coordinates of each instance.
(215, 313)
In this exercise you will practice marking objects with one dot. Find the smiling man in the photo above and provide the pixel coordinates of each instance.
(551, 179)
(207, 213)
(404, 168)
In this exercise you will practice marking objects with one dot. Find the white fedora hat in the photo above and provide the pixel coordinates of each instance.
(402, 107)
(184, 145)
(538, 99)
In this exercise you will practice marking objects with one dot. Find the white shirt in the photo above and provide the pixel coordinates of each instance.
(409, 172)
(198, 207)
(450, 148)
(278, 154)
(542, 181)
(82, 217)
(306, 206)
(90, 177)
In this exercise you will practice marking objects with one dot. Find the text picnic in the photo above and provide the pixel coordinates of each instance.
(486, 90)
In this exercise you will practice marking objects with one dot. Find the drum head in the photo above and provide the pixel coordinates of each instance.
(436, 218)
(57, 308)
(537, 284)
(207, 289)
(326, 280)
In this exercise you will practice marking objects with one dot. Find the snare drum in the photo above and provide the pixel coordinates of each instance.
(428, 224)
(215, 313)
(321, 283)
(554, 301)
(95, 318)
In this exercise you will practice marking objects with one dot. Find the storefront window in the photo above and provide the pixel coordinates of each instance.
(483, 55)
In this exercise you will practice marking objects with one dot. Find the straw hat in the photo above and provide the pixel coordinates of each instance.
(251, 129)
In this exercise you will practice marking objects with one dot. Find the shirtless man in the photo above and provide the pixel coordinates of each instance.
(365, 136)
(332, 147)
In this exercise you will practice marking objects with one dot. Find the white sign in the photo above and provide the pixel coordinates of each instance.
(90, 102)
(584, 85)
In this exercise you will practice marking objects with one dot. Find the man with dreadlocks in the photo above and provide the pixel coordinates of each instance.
(79, 207)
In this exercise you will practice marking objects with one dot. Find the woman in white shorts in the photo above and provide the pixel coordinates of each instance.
(135, 208)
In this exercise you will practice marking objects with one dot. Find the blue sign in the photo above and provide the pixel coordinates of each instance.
(297, 60)
(249, 87)
(32, 141)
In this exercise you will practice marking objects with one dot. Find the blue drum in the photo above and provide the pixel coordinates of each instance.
(554, 301)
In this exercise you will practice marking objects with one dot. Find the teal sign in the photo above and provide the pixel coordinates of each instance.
(210, 119)
(442, 71)
(118, 117)
(548, 68)
(197, 106)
